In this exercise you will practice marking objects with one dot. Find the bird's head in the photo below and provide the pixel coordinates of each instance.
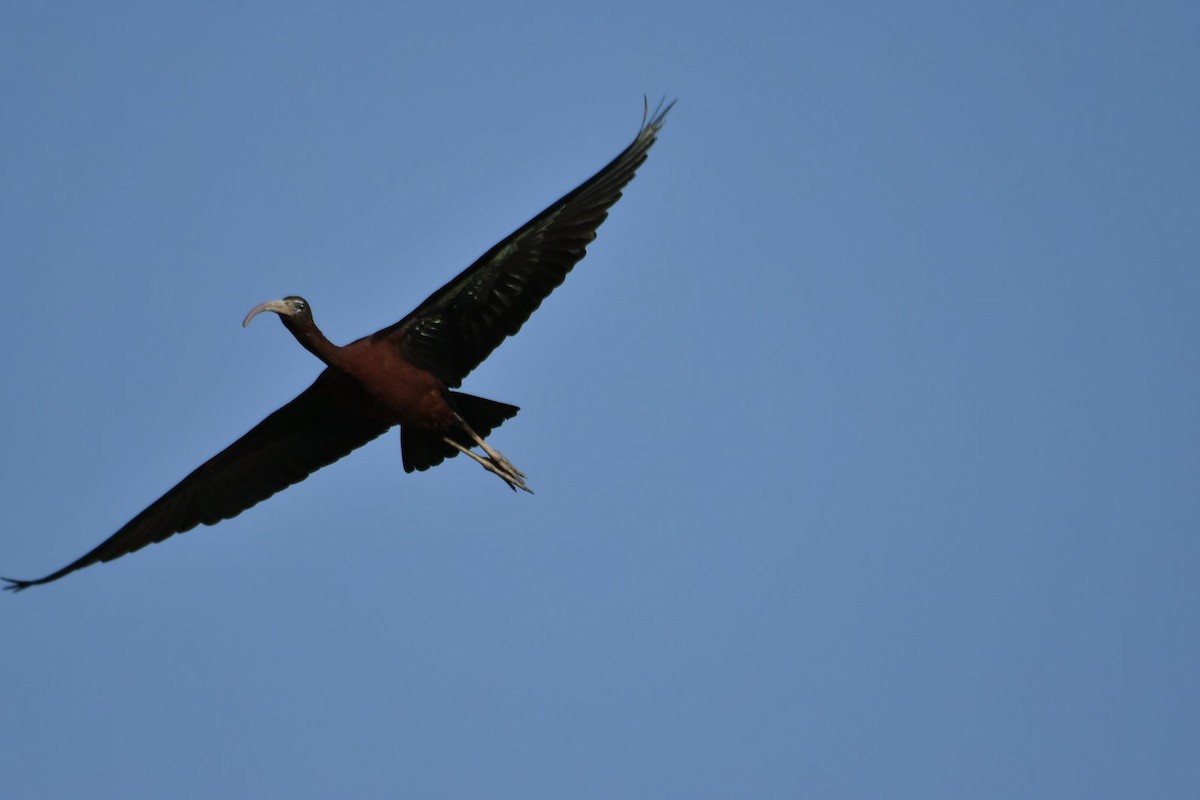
(290, 309)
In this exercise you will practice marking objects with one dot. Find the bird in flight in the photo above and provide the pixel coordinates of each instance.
(402, 375)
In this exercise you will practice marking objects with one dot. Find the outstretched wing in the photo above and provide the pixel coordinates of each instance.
(457, 327)
(313, 430)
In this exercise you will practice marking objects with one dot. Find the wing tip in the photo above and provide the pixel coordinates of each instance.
(15, 585)
(652, 123)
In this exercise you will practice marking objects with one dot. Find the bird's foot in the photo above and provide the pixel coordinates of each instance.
(494, 463)
(493, 454)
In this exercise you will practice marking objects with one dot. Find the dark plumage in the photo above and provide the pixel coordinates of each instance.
(401, 375)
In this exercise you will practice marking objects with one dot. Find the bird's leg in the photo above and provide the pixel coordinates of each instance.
(493, 453)
(514, 480)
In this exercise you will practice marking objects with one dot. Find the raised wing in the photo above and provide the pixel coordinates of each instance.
(457, 327)
(313, 430)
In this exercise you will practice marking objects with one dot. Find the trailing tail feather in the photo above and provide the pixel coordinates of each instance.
(424, 449)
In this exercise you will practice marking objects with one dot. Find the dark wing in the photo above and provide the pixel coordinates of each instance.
(456, 328)
(311, 431)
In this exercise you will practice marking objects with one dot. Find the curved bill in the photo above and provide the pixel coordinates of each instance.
(278, 306)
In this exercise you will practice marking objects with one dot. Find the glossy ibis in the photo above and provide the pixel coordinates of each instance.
(402, 375)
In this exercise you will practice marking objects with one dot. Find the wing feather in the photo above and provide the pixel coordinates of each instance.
(313, 430)
(459, 325)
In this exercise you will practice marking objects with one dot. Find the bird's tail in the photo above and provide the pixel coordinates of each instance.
(425, 449)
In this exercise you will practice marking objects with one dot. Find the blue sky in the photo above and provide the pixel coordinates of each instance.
(864, 440)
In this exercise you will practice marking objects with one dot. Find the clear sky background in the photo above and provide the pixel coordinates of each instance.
(865, 439)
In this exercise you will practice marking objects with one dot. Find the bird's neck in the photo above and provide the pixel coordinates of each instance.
(311, 339)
